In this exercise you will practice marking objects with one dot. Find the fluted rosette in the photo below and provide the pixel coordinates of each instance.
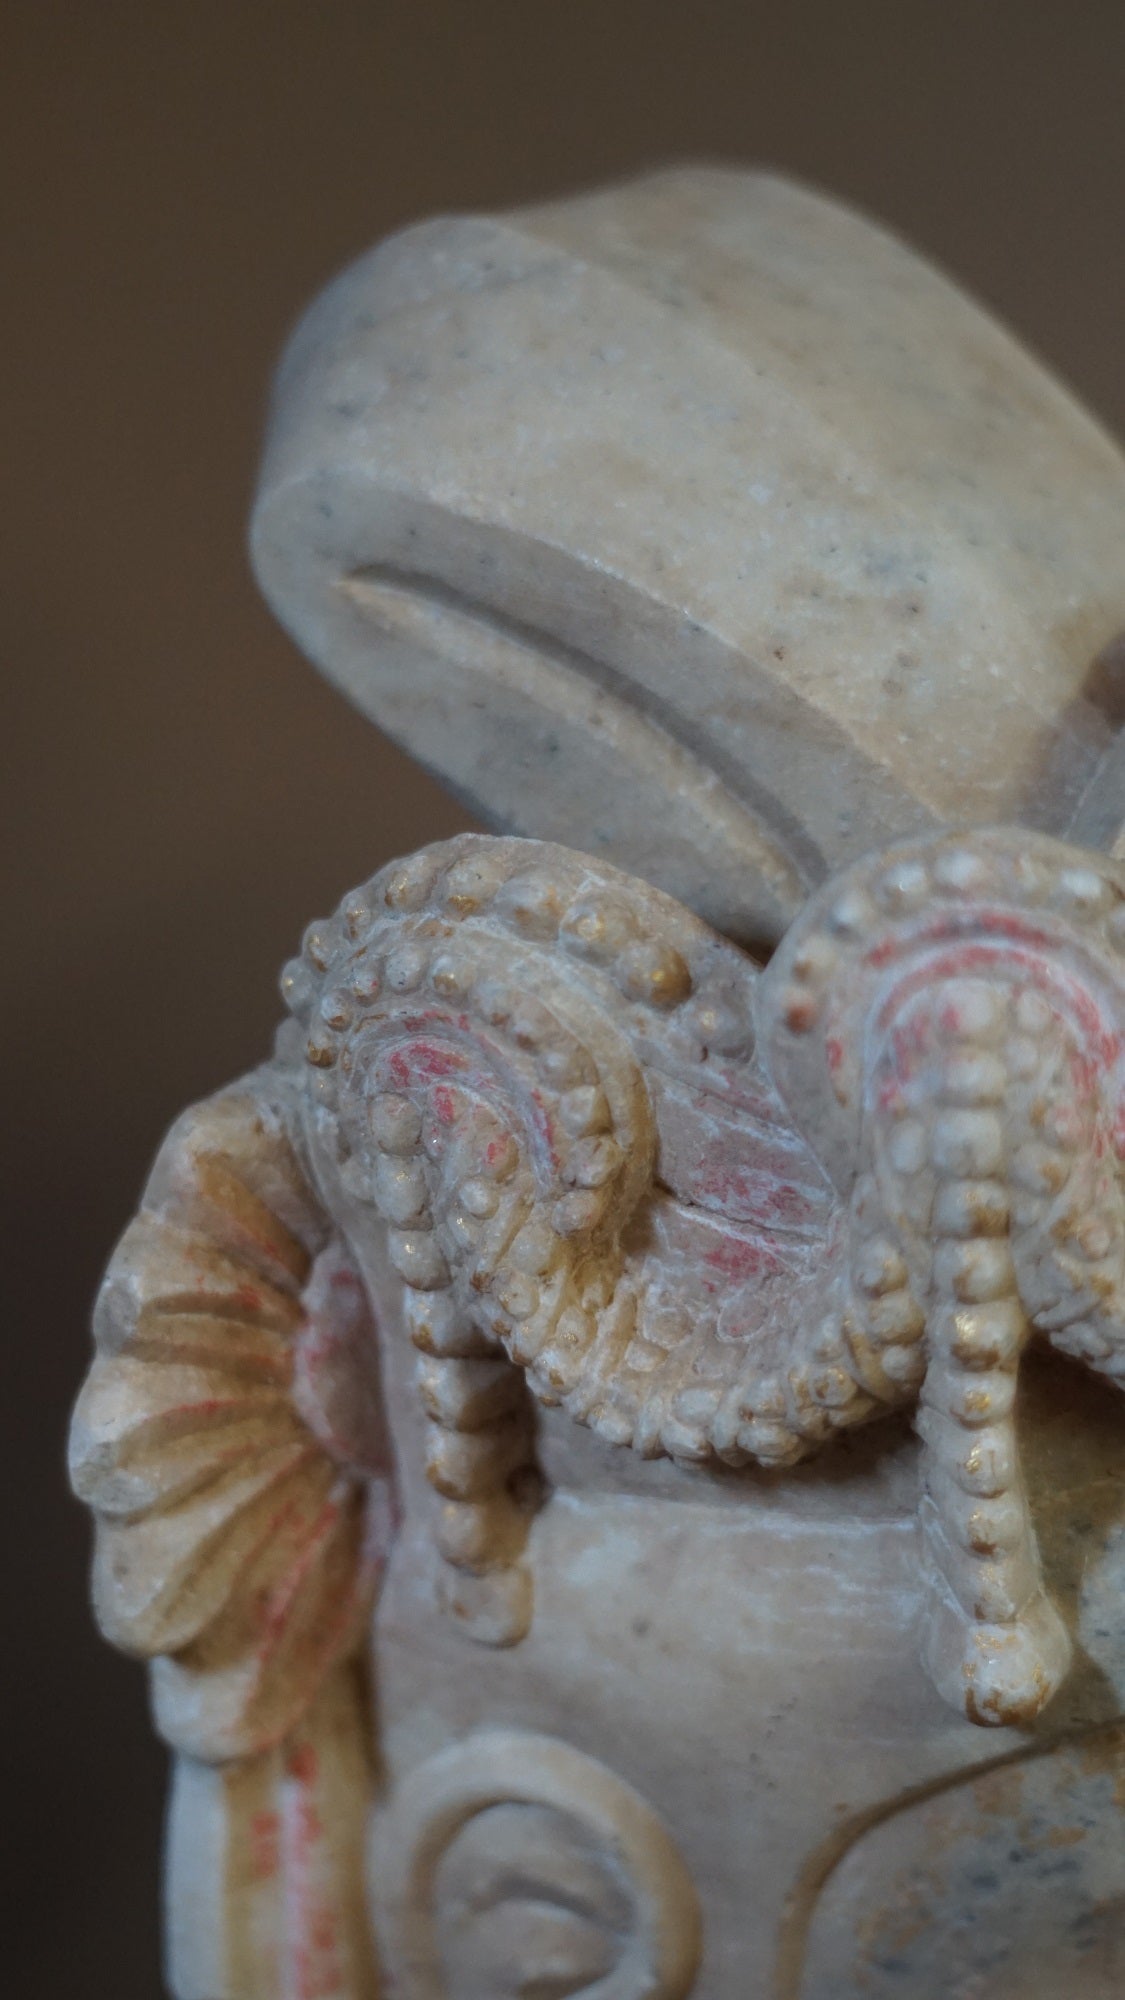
(228, 1437)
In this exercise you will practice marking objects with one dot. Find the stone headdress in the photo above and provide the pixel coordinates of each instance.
(760, 1078)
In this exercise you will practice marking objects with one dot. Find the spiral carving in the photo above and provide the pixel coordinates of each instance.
(493, 1033)
(496, 1116)
(950, 1019)
(711, 1212)
(506, 1044)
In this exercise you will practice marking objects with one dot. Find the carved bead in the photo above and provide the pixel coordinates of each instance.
(972, 1077)
(317, 945)
(461, 1228)
(479, 1197)
(495, 1001)
(574, 1214)
(336, 1010)
(592, 1162)
(473, 1465)
(904, 887)
(450, 980)
(406, 968)
(517, 1293)
(852, 916)
(1084, 892)
(961, 872)
(527, 1024)
(969, 1144)
(437, 1327)
(989, 1336)
(615, 1426)
(355, 914)
(365, 980)
(598, 928)
(725, 1426)
(894, 1319)
(467, 1395)
(532, 904)
(417, 1258)
(558, 1369)
(573, 1331)
(697, 1403)
(396, 1124)
(988, 1466)
(721, 1029)
(800, 1010)
(992, 1526)
(534, 1250)
(815, 960)
(975, 1270)
(654, 973)
(770, 1444)
(1001, 1587)
(908, 1147)
(584, 1110)
(400, 1188)
(298, 987)
(878, 1267)
(683, 1441)
(478, 1535)
(472, 882)
(831, 1387)
(828, 1344)
(566, 1065)
(1095, 1236)
(904, 1366)
(986, 1398)
(971, 1208)
(408, 885)
(768, 1400)
(435, 1138)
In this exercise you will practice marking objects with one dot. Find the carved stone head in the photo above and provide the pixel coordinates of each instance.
(600, 1420)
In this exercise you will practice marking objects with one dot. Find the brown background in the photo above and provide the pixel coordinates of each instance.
(181, 793)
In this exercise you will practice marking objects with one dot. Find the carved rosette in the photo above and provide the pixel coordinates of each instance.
(228, 1440)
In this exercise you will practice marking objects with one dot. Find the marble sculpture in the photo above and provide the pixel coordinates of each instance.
(611, 1439)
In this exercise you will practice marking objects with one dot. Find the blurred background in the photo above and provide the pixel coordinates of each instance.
(181, 793)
